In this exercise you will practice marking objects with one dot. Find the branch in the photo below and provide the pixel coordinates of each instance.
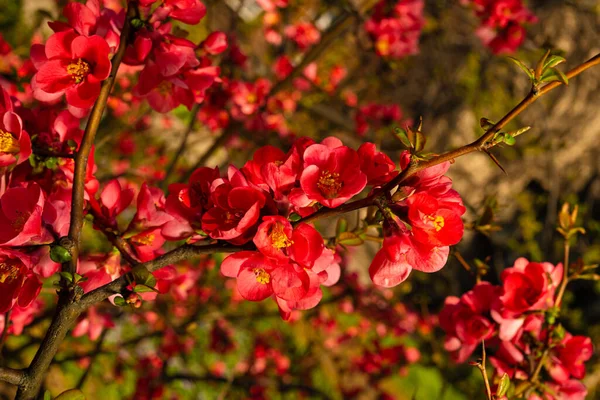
(181, 149)
(172, 257)
(81, 158)
(481, 144)
(67, 308)
(12, 376)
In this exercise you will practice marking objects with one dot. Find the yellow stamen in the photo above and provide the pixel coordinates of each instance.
(78, 70)
(329, 184)
(145, 239)
(438, 222)
(262, 276)
(279, 239)
(8, 272)
(8, 143)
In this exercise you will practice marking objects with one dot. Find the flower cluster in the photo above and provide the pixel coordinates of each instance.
(396, 29)
(510, 318)
(502, 23)
(76, 58)
(420, 227)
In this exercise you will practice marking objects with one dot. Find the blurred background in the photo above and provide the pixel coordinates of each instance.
(361, 342)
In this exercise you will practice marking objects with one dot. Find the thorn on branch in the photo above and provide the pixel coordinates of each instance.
(495, 160)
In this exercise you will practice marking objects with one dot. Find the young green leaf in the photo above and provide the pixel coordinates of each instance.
(525, 68)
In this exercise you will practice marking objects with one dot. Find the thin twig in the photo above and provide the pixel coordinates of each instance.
(182, 145)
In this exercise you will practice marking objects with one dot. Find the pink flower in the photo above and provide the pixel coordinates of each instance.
(17, 281)
(21, 216)
(466, 320)
(331, 174)
(75, 65)
(215, 43)
(253, 273)
(391, 265)
(378, 167)
(432, 223)
(529, 286)
(187, 202)
(568, 358)
(304, 34)
(15, 145)
(236, 212)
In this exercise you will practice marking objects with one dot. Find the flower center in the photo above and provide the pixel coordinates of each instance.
(164, 88)
(8, 272)
(145, 240)
(251, 98)
(262, 276)
(383, 46)
(438, 222)
(78, 70)
(279, 239)
(329, 184)
(19, 222)
(8, 143)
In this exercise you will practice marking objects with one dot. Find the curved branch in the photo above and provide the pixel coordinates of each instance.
(481, 144)
(12, 376)
(81, 157)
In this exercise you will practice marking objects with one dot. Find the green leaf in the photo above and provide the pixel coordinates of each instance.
(509, 140)
(119, 301)
(143, 277)
(60, 255)
(143, 289)
(71, 394)
(47, 395)
(341, 227)
(503, 385)
(294, 217)
(552, 74)
(562, 77)
(553, 61)
(420, 141)
(524, 67)
(403, 136)
(137, 23)
(349, 239)
(51, 162)
(67, 275)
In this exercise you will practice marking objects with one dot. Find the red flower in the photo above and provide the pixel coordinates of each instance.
(432, 223)
(378, 167)
(187, 203)
(304, 34)
(186, 11)
(253, 273)
(236, 212)
(528, 286)
(15, 145)
(113, 200)
(331, 173)
(215, 43)
(16, 281)
(466, 320)
(568, 358)
(76, 65)
(21, 216)
(391, 265)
